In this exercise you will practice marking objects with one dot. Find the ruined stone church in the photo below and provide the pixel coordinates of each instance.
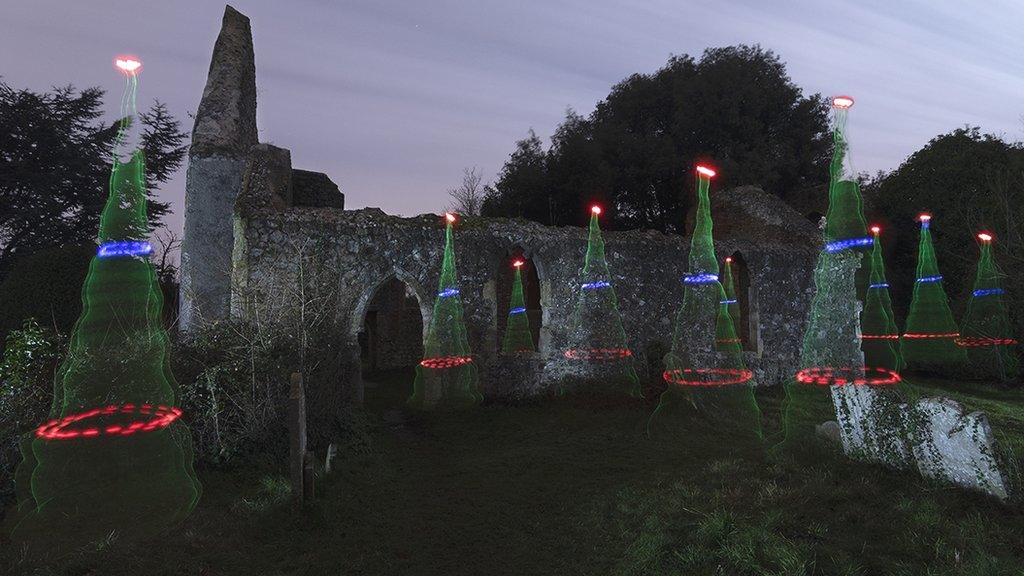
(257, 230)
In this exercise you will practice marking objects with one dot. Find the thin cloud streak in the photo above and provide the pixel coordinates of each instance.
(393, 98)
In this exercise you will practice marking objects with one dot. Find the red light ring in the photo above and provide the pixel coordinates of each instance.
(61, 429)
(976, 341)
(445, 362)
(598, 354)
(880, 336)
(923, 335)
(829, 376)
(707, 376)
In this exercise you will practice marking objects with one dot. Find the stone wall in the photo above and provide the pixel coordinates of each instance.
(315, 189)
(364, 249)
(223, 134)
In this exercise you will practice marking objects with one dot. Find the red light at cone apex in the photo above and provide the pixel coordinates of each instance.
(728, 259)
(876, 230)
(842, 102)
(449, 217)
(924, 217)
(518, 263)
(596, 209)
(128, 64)
(705, 171)
(984, 237)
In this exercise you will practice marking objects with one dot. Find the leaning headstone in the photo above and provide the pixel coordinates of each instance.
(872, 424)
(956, 447)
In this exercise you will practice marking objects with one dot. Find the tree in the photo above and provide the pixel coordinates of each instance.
(735, 107)
(969, 182)
(521, 188)
(55, 163)
(165, 263)
(468, 198)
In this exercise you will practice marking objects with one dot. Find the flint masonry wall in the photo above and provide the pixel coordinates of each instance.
(361, 250)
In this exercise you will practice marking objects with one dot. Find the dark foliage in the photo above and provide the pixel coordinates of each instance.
(969, 182)
(45, 285)
(27, 369)
(55, 162)
(735, 107)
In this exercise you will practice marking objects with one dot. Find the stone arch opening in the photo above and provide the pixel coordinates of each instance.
(531, 293)
(748, 325)
(391, 331)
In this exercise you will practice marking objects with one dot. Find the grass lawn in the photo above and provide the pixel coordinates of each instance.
(556, 488)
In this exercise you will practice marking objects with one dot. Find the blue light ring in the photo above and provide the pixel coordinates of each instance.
(848, 243)
(702, 278)
(118, 248)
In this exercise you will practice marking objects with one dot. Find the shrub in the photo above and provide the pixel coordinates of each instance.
(234, 378)
(233, 387)
(26, 391)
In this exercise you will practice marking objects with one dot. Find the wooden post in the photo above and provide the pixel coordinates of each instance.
(307, 477)
(296, 435)
(332, 452)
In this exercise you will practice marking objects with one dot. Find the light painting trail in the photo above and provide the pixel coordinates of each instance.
(446, 378)
(929, 343)
(601, 361)
(708, 383)
(115, 443)
(987, 335)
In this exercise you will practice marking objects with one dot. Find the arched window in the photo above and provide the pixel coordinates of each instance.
(392, 334)
(531, 292)
(748, 324)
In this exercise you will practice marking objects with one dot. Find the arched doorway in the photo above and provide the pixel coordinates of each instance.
(748, 324)
(390, 341)
(531, 292)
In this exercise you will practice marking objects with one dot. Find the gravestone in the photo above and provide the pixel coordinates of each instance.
(957, 447)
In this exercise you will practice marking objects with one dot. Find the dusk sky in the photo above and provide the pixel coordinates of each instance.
(392, 99)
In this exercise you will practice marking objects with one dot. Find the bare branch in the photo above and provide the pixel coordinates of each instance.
(468, 198)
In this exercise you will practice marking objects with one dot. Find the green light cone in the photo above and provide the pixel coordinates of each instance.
(113, 458)
(709, 390)
(986, 335)
(929, 343)
(831, 340)
(447, 376)
(831, 385)
(845, 217)
(518, 337)
(880, 337)
(597, 342)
